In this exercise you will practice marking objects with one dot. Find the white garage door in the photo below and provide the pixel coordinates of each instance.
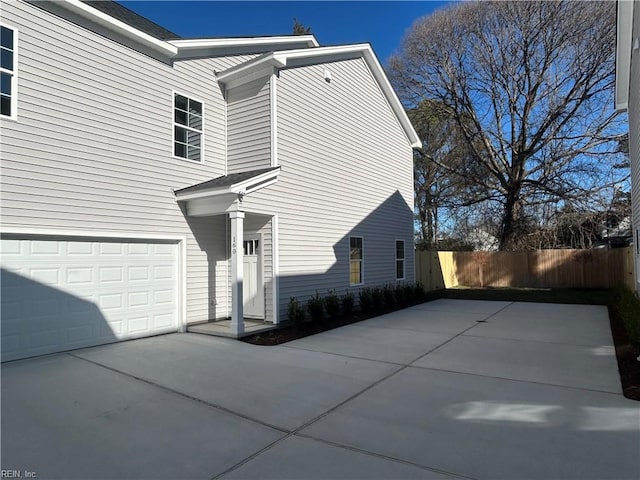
(59, 293)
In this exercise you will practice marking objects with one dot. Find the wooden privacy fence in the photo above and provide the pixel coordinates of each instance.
(533, 269)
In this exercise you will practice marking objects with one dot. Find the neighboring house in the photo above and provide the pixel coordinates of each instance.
(151, 182)
(628, 99)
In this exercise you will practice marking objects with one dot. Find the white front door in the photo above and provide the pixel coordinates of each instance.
(252, 288)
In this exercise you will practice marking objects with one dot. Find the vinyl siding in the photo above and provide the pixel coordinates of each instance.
(634, 139)
(92, 147)
(249, 127)
(346, 170)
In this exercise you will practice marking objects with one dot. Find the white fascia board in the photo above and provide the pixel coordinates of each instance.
(86, 11)
(320, 52)
(251, 70)
(265, 179)
(392, 98)
(623, 53)
(213, 43)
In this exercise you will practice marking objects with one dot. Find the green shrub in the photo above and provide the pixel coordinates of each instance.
(315, 307)
(365, 295)
(627, 306)
(389, 294)
(409, 292)
(400, 294)
(378, 298)
(332, 304)
(347, 302)
(295, 312)
(418, 291)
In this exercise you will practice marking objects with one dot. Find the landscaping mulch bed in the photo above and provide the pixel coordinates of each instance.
(294, 332)
(627, 355)
(628, 358)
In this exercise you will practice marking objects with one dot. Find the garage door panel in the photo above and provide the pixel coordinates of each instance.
(60, 294)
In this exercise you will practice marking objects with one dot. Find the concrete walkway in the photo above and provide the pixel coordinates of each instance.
(446, 389)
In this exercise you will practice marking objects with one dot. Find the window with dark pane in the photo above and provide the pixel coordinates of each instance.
(187, 117)
(399, 259)
(7, 71)
(356, 259)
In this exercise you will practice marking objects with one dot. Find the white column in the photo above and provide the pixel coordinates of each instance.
(237, 268)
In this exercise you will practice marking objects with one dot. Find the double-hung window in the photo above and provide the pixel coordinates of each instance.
(399, 259)
(187, 127)
(356, 260)
(8, 79)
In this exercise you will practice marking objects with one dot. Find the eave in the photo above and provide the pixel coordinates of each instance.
(203, 47)
(86, 11)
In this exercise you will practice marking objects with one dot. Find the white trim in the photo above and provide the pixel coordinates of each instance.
(225, 95)
(623, 53)
(258, 67)
(87, 233)
(273, 113)
(361, 262)
(174, 124)
(179, 240)
(404, 259)
(275, 269)
(14, 75)
(86, 11)
(187, 45)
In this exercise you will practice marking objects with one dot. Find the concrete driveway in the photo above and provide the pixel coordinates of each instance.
(446, 389)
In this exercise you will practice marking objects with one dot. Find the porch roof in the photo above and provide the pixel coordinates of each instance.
(242, 182)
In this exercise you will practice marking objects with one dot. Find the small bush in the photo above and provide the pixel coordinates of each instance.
(400, 294)
(295, 312)
(627, 306)
(332, 304)
(347, 302)
(409, 292)
(365, 295)
(378, 298)
(389, 294)
(418, 291)
(315, 307)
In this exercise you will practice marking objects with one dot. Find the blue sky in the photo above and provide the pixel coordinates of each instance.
(382, 23)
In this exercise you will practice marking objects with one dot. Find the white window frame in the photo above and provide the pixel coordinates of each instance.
(174, 125)
(403, 259)
(355, 260)
(14, 75)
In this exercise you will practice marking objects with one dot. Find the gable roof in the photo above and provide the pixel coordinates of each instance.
(264, 64)
(131, 18)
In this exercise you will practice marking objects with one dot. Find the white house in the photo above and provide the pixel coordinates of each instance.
(151, 182)
(628, 99)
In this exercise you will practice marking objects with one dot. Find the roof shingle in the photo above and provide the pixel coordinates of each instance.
(131, 18)
(225, 180)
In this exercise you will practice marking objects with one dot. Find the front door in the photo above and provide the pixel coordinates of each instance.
(252, 289)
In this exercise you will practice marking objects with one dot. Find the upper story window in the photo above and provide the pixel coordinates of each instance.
(8, 42)
(356, 260)
(187, 126)
(399, 259)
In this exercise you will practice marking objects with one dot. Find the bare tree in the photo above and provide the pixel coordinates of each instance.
(530, 87)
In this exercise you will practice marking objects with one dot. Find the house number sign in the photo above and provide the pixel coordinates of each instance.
(234, 246)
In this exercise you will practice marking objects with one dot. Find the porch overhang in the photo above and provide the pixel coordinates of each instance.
(224, 194)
